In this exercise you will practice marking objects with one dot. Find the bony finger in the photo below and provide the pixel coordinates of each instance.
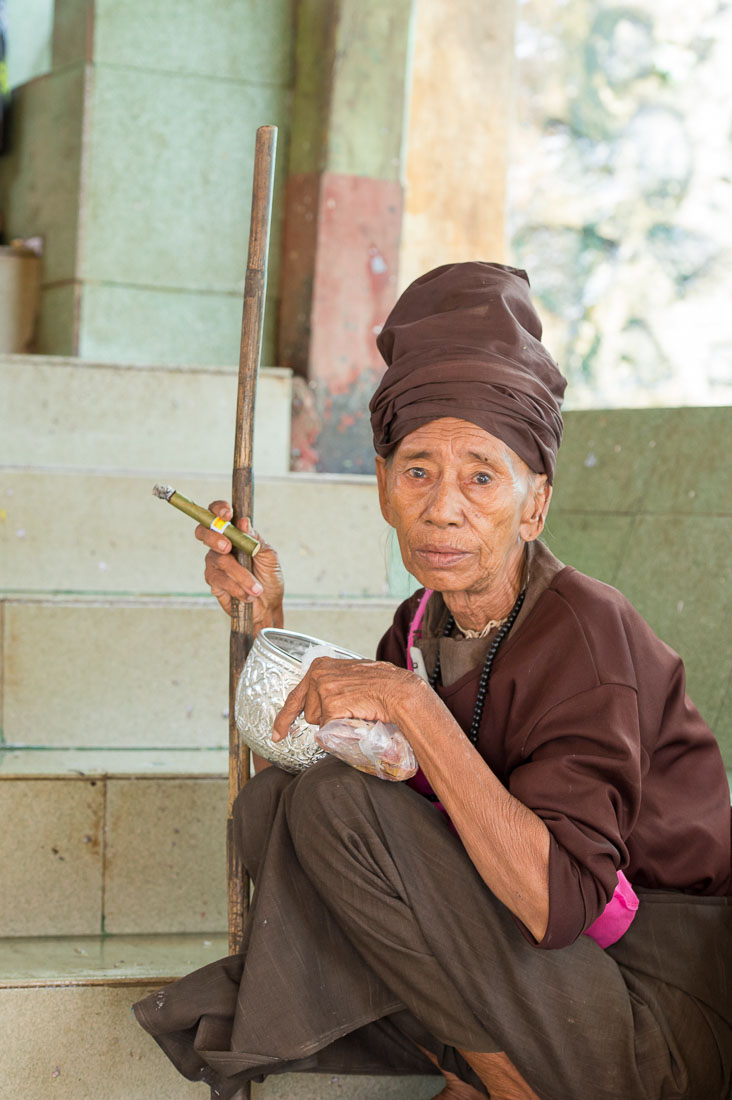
(239, 577)
(223, 597)
(213, 539)
(219, 578)
(290, 710)
(221, 508)
(313, 708)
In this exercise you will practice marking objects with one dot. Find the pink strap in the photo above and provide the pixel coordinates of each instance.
(415, 625)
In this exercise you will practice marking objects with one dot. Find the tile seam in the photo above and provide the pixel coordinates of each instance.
(162, 288)
(103, 898)
(65, 777)
(639, 513)
(291, 479)
(73, 983)
(174, 602)
(634, 521)
(184, 75)
(59, 362)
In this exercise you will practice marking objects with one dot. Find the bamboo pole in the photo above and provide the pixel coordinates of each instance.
(250, 351)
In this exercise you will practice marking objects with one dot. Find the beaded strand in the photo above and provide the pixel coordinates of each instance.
(487, 664)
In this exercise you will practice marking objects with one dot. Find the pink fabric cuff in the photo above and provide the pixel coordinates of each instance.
(617, 916)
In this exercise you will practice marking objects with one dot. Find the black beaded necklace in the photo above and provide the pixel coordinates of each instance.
(487, 664)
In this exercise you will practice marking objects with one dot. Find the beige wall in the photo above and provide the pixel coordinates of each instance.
(457, 142)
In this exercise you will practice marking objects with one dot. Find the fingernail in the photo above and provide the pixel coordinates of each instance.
(223, 544)
(257, 589)
(275, 735)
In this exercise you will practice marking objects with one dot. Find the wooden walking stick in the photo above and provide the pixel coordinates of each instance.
(250, 351)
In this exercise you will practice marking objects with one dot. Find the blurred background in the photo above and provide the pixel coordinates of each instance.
(585, 140)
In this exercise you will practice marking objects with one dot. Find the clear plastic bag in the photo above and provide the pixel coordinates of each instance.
(379, 748)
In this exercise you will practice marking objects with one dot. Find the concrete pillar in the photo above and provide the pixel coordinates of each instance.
(353, 236)
(343, 219)
(133, 160)
(462, 102)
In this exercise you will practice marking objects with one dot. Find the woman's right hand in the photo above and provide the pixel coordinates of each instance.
(263, 588)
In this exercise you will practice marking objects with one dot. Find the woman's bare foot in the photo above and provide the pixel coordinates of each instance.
(500, 1076)
(455, 1089)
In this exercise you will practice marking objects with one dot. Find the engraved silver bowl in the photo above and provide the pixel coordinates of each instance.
(271, 671)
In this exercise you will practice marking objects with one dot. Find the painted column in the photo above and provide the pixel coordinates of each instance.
(343, 220)
(462, 103)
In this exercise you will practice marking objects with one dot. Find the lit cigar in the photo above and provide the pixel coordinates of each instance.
(202, 515)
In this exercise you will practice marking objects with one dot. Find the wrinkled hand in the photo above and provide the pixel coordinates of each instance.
(263, 588)
(333, 688)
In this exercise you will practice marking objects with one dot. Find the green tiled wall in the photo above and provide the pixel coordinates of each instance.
(643, 501)
(169, 178)
(144, 189)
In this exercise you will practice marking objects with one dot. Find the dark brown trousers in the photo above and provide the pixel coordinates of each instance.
(370, 931)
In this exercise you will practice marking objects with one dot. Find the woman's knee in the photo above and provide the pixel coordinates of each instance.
(318, 793)
(336, 812)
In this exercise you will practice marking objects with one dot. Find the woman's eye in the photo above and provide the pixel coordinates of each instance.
(483, 479)
(416, 472)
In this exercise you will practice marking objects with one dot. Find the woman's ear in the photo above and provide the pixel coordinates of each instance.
(535, 508)
(382, 480)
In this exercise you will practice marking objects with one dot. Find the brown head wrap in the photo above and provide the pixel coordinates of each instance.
(464, 340)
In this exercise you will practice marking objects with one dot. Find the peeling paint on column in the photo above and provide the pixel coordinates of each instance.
(343, 220)
(334, 317)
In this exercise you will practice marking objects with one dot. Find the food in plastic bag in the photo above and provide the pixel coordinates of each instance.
(379, 748)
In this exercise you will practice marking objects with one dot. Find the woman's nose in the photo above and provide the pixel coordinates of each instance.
(444, 507)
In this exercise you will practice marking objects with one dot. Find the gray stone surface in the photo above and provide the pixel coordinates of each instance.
(73, 413)
(312, 1086)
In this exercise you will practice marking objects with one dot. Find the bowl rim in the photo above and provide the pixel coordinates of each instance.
(268, 634)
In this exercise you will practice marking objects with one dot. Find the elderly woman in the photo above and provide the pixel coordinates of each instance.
(544, 910)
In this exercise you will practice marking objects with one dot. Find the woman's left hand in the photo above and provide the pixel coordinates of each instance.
(333, 688)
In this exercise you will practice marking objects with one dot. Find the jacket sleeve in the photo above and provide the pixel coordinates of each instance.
(581, 774)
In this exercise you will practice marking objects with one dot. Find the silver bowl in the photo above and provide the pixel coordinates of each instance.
(271, 671)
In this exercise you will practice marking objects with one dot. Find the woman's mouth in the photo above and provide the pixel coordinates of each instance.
(440, 556)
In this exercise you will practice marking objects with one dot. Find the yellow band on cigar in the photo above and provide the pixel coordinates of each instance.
(219, 524)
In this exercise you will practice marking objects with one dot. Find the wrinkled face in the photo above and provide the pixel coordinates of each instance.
(462, 505)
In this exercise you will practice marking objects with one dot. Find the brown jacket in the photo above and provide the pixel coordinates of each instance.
(587, 722)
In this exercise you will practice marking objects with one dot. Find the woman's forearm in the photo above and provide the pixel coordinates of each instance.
(507, 842)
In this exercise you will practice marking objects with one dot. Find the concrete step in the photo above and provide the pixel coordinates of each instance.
(74, 413)
(65, 1014)
(104, 844)
(69, 1033)
(74, 531)
(140, 672)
